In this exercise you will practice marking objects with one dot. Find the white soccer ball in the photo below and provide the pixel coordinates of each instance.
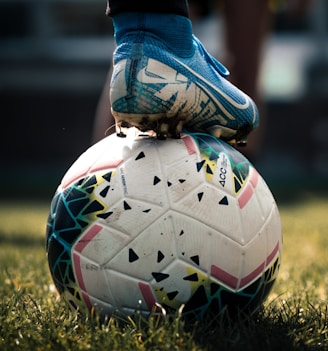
(138, 222)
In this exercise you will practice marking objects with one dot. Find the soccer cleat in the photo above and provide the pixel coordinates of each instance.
(164, 80)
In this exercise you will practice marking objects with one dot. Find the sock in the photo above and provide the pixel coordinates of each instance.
(174, 30)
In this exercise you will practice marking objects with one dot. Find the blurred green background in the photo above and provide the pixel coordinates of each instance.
(54, 57)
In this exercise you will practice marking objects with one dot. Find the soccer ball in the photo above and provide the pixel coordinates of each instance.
(186, 224)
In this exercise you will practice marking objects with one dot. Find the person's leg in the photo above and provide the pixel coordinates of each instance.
(247, 24)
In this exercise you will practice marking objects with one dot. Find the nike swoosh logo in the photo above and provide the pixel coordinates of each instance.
(149, 74)
(219, 91)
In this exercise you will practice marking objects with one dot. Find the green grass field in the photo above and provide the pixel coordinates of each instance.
(295, 317)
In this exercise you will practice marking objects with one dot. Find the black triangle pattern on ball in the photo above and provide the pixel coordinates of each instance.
(133, 256)
(140, 156)
(200, 196)
(159, 276)
(160, 256)
(156, 180)
(224, 201)
(126, 206)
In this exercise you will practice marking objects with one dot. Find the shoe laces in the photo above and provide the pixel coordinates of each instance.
(219, 67)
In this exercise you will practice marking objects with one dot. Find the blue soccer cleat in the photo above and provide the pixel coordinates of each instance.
(164, 80)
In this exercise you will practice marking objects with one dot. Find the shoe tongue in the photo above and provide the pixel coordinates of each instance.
(174, 30)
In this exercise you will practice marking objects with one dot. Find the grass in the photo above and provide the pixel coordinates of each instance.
(295, 316)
